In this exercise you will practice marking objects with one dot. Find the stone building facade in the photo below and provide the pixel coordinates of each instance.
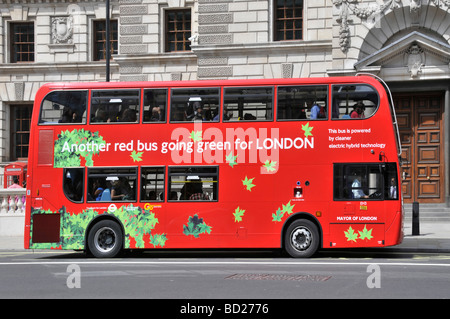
(405, 42)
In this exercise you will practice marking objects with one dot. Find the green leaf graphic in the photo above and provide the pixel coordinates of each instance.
(136, 156)
(231, 160)
(278, 215)
(350, 234)
(238, 214)
(365, 234)
(196, 226)
(307, 129)
(270, 166)
(248, 183)
(196, 136)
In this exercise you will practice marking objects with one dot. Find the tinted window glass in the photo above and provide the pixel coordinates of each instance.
(155, 105)
(195, 104)
(248, 104)
(193, 183)
(365, 181)
(64, 107)
(115, 106)
(302, 102)
(356, 101)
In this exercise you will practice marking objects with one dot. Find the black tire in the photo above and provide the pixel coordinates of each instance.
(105, 239)
(301, 239)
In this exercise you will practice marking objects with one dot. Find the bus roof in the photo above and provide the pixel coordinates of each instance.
(211, 83)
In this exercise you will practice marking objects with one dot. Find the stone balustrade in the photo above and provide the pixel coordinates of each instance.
(12, 211)
(12, 201)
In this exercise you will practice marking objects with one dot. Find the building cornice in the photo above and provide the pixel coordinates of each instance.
(258, 48)
(27, 68)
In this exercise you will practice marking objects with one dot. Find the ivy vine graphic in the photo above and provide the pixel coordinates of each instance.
(72, 145)
(136, 222)
(351, 235)
(238, 214)
(196, 226)
(307, 129)
(278, 215)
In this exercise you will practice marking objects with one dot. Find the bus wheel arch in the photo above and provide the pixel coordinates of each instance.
(301, 235)
(104, 237)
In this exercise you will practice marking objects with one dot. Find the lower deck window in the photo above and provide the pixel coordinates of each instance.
(112, 184)
(152, 184)
(73, 184)
(193, 183)
(365, 181)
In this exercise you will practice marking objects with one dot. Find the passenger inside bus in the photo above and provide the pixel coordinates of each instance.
(358, 111)
(121, 190)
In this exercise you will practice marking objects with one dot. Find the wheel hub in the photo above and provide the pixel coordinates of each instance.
(301, 238)
(105, 239)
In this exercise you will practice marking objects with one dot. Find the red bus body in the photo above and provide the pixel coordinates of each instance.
(270, 174)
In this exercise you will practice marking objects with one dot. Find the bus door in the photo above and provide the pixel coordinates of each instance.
(362, 197)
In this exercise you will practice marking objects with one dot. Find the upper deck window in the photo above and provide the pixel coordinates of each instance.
(64, 107)
(192, 104)
(248, 104)
(302, 102)
(155, 105)
(115, 106)
(354, 101)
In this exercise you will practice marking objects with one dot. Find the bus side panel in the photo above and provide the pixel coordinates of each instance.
(356, 235)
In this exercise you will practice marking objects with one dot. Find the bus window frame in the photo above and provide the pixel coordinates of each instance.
(136, 176)
(172, 108)
(83, 192)
(327, 101)
(166, 110)
(83, 122)
(237, 120)
(139, 108)
(141, 184)
(179, 200)
(385, 174)
(331, 96)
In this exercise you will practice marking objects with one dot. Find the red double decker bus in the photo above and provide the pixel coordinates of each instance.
(298, 164)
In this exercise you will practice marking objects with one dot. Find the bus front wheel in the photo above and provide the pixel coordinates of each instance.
(301, 239)
(105, 239)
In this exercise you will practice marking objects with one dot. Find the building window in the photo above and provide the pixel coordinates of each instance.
(178, 30)
(20, 131)
(22, 42)
(100, 39)
(288, 20)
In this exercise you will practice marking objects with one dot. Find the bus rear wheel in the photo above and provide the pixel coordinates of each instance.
(105, 239)
(301, 239)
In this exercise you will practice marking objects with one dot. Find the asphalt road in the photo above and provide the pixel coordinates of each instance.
(220, 277)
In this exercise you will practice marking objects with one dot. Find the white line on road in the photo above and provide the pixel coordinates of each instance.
(221, 263)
